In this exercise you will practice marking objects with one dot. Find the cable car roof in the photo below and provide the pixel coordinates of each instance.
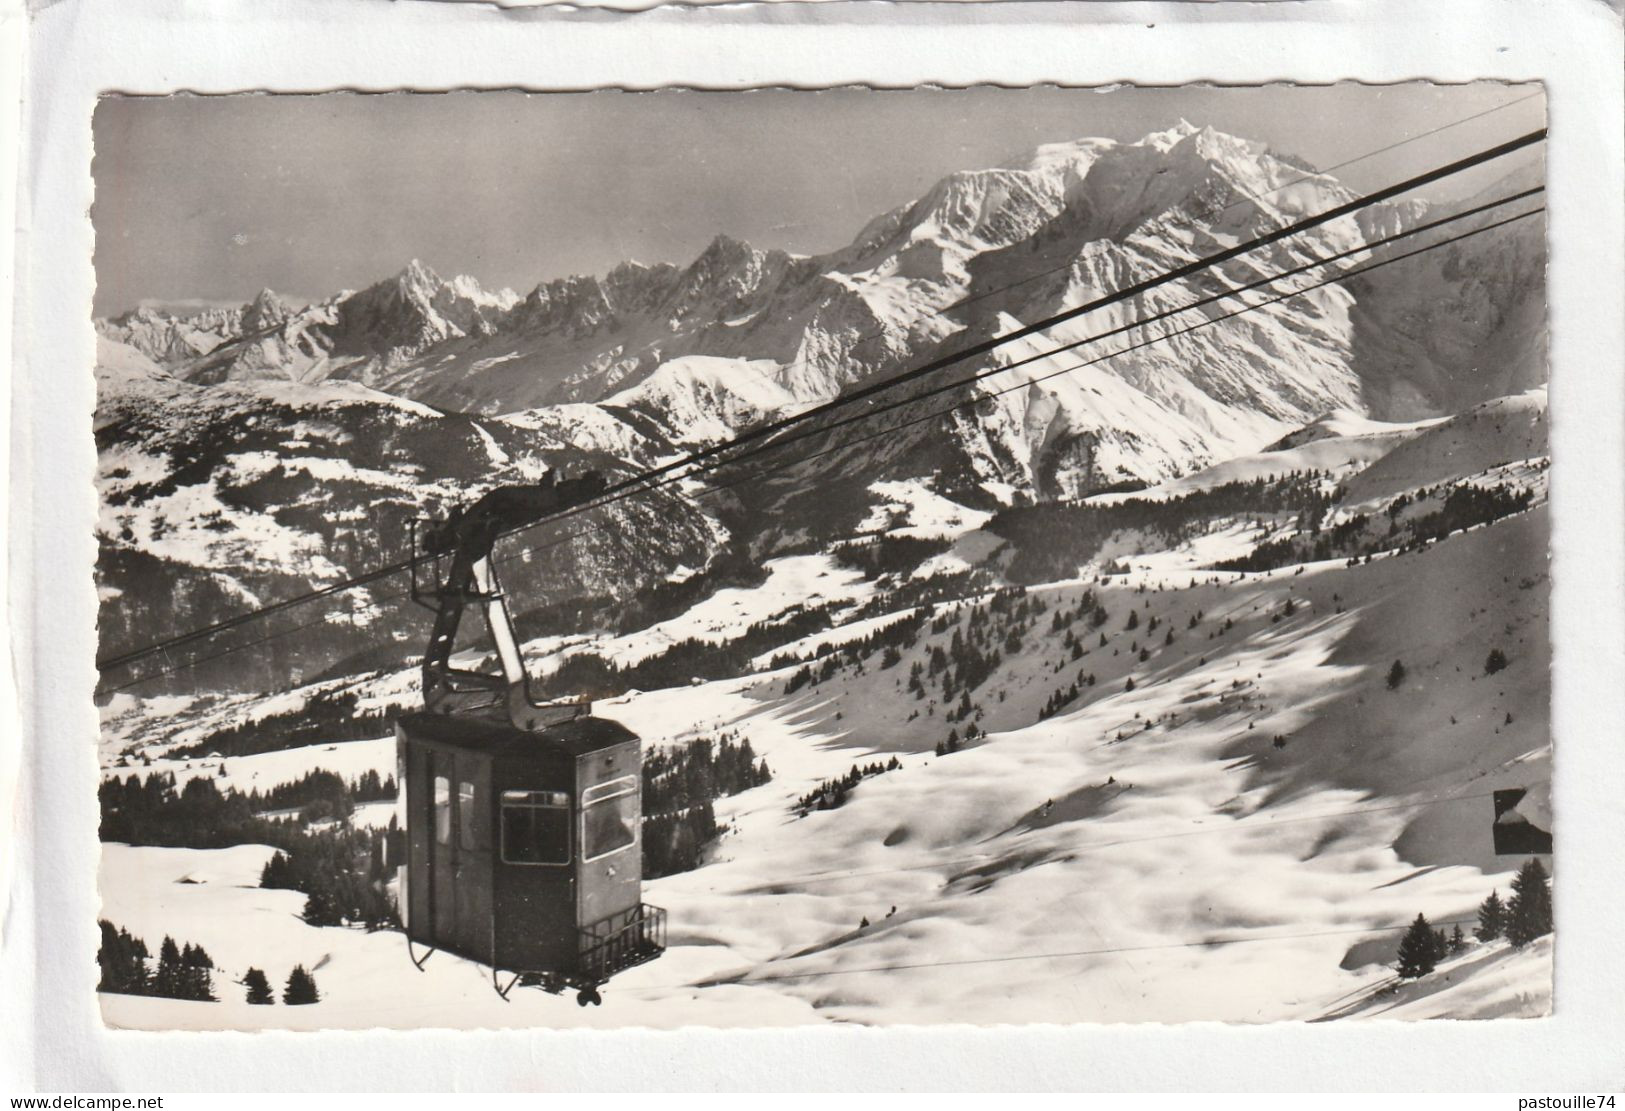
(575, 738)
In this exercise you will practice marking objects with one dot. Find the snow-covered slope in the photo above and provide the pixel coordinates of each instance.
(1456, 326)
(1503, 430)
(1487, 981)
(221, 498)
(1339, 445)
(1240, 834)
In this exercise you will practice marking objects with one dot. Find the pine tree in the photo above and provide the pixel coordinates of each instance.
(123, 961)
(1492, 916)
(1416, 950)
(1495, 661)
(1529, 911)
(320, 910)
(278, 873)
(196, 981)
(259, 988)
(167, 981)
(1457, 941)
(301, 988)
(1441, 945)
(1396, 675)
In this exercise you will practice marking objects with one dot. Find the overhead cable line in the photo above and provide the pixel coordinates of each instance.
(863, 393)
(982, 347)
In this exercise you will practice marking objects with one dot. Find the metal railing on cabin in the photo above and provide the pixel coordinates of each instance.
(622, 940)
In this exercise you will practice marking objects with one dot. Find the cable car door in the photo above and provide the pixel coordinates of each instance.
(472, 881)
(443, 847)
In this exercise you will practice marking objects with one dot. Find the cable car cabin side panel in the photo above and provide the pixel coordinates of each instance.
(609, 832)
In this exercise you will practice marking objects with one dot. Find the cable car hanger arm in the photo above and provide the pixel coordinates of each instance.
(458, 551)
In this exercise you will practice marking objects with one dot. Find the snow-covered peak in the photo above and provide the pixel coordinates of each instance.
(703, 399)
(726, 272)
(1215, 146)
(469, 289)
(635, 286)
(266, 310)
(1169, 138)
(418, 276)
(573, 306)
(1075, 156)
(725, 248)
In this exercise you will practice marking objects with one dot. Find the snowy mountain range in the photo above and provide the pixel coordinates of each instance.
(649, 360)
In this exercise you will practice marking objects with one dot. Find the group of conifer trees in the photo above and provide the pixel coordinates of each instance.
(1521, 919)
(324, 718)
(891, 640)
(1360, 536)
(832, 793)
(1051, 539)
(679, 785)
(182, 972)
(298, 991)
(339, 866)
(342, 875)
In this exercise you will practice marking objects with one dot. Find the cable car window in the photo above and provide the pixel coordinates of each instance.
(467, 828)
(535, 827)
(400, 788)
(442, 810)
(609, 818)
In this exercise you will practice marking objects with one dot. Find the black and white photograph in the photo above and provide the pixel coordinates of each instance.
(780, 557)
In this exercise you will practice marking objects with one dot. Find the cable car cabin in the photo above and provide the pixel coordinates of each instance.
(521, 819)
(523, 850)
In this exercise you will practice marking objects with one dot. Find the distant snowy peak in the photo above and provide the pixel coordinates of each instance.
(168, 338)
(721, 281)
(724, 275)
(700, 400)
(1170, 138)
(469, 289)
(633, 287)
(417, 308)
(575, 307)
(265, 311)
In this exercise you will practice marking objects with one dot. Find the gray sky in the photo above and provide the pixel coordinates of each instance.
(217, 197)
